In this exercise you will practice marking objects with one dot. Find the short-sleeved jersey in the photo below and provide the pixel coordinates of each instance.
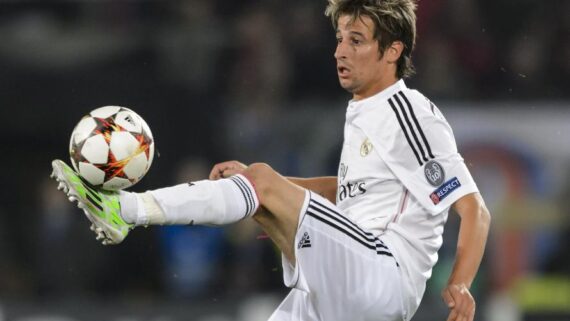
(399, 173)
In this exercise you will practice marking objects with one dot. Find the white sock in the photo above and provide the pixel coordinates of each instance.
(204, 202)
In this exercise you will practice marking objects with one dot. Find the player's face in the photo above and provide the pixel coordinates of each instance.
(361, 69)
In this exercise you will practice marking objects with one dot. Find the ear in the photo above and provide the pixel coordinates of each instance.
(394, 51)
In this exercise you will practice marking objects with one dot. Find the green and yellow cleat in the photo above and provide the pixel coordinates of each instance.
(102, 208)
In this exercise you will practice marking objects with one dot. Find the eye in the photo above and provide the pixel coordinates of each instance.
(355, 41)
(338, 39)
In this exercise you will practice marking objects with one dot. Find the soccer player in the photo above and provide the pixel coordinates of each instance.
(359, 246)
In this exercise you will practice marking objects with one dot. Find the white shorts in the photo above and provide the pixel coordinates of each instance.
(342, 272)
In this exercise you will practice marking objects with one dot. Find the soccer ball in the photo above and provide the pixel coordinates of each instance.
(111, 148)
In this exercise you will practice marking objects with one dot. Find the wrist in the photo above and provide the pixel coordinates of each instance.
(459, 286)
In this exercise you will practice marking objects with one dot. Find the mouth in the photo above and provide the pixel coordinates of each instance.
(343, 72)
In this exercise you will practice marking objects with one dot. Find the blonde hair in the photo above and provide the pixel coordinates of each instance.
(394, 20)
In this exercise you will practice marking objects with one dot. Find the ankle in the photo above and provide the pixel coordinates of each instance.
(130, 205)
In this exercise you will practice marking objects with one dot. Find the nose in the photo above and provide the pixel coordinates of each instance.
(340, 52)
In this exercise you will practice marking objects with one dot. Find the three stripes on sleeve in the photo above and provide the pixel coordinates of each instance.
(411, 127)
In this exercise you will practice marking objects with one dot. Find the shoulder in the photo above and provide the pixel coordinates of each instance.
(411, 127)
(403, 108)
(415, 112)
(399, 111)
(414, 104)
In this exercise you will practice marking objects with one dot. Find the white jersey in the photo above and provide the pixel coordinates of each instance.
(399, 173)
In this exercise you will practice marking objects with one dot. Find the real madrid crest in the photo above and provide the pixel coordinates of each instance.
(434, 173)
(366, 148)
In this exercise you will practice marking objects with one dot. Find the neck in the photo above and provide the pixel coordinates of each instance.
(375, 88)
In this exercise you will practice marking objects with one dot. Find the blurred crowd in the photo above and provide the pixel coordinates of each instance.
(215, 80)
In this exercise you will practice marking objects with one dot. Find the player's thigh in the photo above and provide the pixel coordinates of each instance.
(347, 270)
(276, 192)
(281, 201)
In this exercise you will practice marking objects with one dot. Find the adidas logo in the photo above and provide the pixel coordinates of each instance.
(305, 241)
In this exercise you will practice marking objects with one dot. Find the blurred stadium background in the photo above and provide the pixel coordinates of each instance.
(255, 80)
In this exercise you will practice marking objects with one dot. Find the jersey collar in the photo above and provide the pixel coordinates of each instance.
(356, 106)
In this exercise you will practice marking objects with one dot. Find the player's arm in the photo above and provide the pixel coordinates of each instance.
(325, 186)
(473, 230)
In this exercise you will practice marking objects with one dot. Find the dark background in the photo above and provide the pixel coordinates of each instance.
(255, 81)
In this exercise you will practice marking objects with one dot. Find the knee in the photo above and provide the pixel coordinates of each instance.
(260, 175)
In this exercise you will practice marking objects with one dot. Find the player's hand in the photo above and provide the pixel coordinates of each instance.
(460, 302)
(227, 169)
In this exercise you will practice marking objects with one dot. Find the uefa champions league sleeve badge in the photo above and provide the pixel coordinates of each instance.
(434, 172)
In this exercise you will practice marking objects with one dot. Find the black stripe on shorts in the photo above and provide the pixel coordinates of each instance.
(339, 222)
(343, 220)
